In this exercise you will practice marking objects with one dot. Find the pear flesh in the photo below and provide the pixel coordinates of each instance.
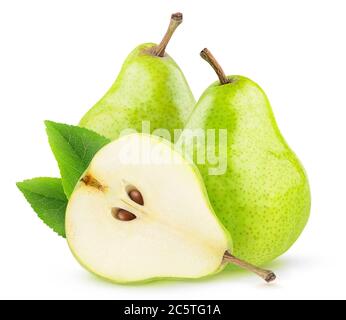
(141, 212)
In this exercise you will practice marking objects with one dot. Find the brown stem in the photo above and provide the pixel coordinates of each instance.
(267, 275)
(207, 56)
(176, 20)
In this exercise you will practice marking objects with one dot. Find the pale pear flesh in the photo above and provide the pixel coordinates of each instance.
(175, 233)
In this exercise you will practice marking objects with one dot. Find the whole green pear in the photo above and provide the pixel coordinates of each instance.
(150, 87)
(263, 198)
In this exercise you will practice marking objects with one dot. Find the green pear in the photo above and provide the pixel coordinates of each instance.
(150, 87)
(263, 195)
(141, 212)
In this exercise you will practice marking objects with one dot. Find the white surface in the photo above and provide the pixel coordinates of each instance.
(57, 58)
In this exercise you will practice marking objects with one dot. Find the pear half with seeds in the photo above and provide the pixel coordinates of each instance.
(141, 212)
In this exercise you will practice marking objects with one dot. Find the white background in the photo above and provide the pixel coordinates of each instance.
(57, 58)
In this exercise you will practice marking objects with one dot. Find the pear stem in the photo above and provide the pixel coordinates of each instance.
(207, 56)
(176, 20)
(267, 275)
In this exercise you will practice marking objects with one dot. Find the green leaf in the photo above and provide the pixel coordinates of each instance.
(46, 196)
(73, 147)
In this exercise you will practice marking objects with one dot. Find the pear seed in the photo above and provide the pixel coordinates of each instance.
(136, 196)
(123, 215)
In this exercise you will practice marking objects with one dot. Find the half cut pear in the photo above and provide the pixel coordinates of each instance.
(141, 212)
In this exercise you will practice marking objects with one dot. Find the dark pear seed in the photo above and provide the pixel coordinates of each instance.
(136, 196)
(123, 215)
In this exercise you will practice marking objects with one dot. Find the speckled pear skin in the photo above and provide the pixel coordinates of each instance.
(148, 88)
(264, 197)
